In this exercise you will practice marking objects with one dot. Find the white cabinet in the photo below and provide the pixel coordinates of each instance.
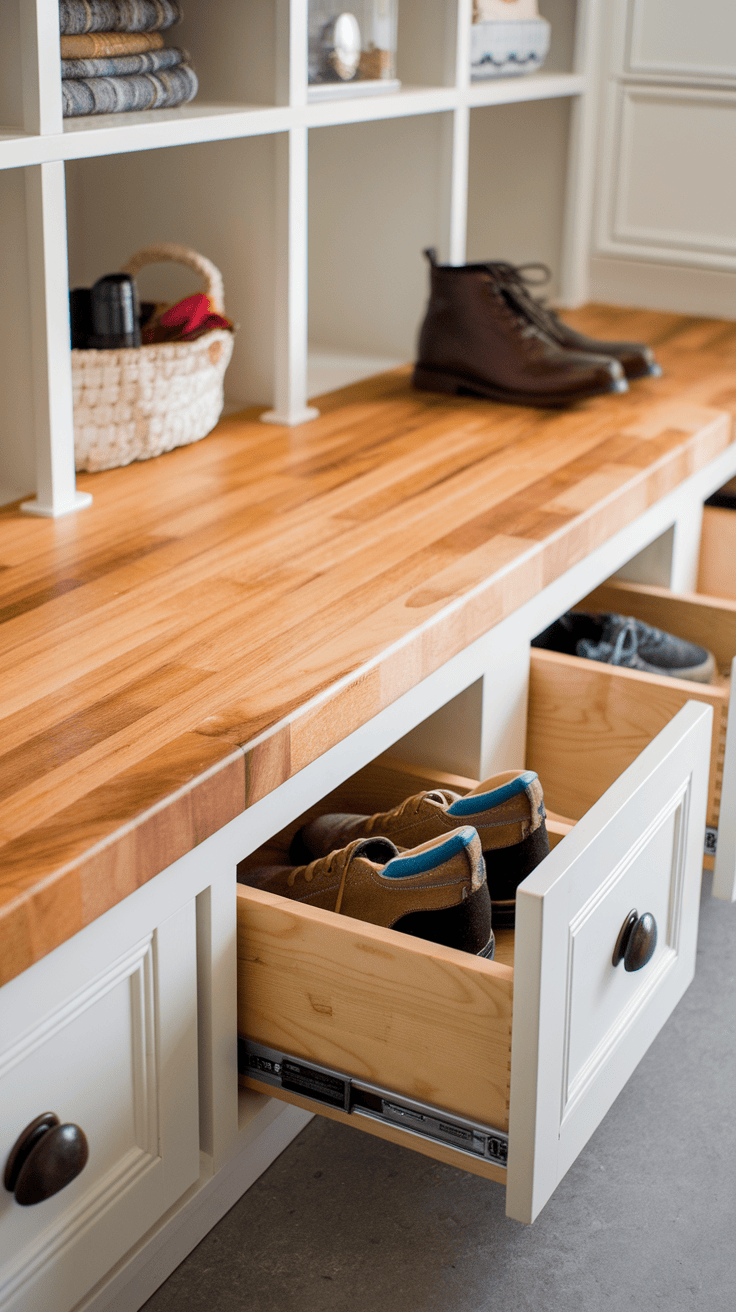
(664, 236)
(501, 168)
(103, 1033)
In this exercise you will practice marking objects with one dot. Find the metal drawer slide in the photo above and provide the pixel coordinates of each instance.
(334, 1089)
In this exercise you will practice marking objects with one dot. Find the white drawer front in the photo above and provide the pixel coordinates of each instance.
(581, 1025)
(118, 1057)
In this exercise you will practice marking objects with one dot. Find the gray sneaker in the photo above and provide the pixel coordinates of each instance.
(623, 640)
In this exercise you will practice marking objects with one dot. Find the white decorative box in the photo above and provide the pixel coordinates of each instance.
(500, 49)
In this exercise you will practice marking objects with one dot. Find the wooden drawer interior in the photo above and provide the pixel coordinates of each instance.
(716, 571)
(416, 1018)
(588, 721)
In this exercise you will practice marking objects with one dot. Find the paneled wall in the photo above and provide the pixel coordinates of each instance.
(665, 231)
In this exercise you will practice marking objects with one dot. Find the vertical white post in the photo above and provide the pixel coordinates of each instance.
(48, 281)
(580, 183)
(504, 710)
(291, 326)
(460, 141)
(686, 550)
(41, 69)
(290, 382)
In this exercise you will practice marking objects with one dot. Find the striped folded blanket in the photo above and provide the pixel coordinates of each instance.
(116, 95)
(79, 16)
(123, 65)
(99, 44)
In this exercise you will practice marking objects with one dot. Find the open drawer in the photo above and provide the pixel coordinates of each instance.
(626, 708)
(716, 572)
(502, 1067)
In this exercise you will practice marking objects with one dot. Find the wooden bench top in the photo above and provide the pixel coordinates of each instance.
(224, 614)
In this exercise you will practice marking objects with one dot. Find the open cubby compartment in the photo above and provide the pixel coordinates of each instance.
(562, 16)
(17, 418)
(12, 117)
(516, 183)
(376, 199)
(426, 43)
(218, 198)
(235, 48)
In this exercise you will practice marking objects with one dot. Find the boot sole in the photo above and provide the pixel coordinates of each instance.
(437, 380)
(503, 915)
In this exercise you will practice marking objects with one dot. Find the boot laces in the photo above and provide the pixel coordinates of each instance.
(521, 312)
(518, 279)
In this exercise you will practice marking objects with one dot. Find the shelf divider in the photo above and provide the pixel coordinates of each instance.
(48, 278)
(41, 66)
(290, 347)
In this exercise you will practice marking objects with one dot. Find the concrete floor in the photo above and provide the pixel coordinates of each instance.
(644, 1219)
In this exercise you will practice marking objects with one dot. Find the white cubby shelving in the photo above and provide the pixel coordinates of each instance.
(315, 212)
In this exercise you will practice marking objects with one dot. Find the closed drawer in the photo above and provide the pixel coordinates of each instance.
(632, 707)
(103, 1033)
(503, 1068)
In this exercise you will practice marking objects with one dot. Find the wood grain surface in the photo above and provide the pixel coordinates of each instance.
(225, 613)
(588, 722)
(416, 1017)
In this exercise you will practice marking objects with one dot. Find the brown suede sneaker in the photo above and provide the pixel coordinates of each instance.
(507, 811)
(436, 891)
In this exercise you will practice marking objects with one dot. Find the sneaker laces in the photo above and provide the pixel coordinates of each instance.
(338, 860)
(408, 808)
(619, 644)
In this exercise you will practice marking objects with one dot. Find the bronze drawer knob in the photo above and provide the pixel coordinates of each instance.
(45, 1158)
(636, 941)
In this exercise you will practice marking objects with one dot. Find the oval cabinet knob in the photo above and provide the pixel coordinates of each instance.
(45, 1158)
(636, 941)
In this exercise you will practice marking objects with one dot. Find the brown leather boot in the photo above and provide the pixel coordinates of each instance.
(638, 361)
(435, 891)
(507, 811)
(476, 341)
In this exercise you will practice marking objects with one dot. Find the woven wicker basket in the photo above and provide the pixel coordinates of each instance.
(139, 402)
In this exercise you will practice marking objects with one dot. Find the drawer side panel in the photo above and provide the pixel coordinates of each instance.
(415, 1017)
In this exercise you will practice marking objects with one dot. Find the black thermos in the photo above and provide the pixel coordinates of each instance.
(115, 313)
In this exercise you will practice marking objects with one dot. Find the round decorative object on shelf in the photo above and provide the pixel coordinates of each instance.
(342, 45)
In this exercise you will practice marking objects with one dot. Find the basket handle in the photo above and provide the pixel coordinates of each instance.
(169, 250)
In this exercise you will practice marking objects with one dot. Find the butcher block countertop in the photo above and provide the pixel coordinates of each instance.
(223, 615)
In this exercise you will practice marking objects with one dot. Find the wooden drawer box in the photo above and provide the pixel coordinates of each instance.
(448, 1053)
(717, 568)
(625, 709)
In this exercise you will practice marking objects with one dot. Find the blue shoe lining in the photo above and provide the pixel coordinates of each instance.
(483, 801)
(418, 863)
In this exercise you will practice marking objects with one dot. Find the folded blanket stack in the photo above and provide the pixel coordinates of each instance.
(113, 57)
